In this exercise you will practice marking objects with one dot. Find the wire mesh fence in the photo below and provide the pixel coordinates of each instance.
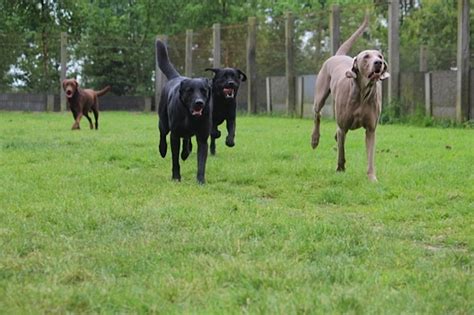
(31, 62)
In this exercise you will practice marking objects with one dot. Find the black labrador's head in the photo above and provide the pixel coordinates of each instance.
(226, 81)
(195, 95)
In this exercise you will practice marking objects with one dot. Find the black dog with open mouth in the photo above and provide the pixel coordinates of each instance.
(185, 109)
(225, 85)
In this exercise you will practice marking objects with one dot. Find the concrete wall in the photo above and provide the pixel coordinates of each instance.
(412, 91)
(37, 102)
(443, 94)
(23, 102)
(412, 94)
(471, 94)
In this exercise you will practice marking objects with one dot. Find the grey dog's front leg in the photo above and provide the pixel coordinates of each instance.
(341, 156)
(370, 147)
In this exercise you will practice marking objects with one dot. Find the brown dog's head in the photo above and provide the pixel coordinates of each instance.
(70, 87)
(369, 64)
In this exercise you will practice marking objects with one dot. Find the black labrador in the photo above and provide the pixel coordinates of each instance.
(225, 85)
(185, 109)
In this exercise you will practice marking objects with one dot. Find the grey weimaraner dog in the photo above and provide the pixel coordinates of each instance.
(357, 92)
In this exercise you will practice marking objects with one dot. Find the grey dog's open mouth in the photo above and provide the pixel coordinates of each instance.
(375, 75)
(229, 92)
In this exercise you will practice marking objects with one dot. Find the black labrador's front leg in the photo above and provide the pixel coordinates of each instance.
(175, 157)
(230, 124)
(215, 134)
(201, 159)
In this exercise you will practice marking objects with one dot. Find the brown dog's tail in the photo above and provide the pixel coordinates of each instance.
(347, 45)
(103, 91)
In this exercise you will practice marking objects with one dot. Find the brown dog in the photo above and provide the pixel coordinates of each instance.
(82, 102)
(357, 92)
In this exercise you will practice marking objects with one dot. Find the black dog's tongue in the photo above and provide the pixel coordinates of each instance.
(229, 92)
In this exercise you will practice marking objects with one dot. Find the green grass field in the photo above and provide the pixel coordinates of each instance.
(91, 222)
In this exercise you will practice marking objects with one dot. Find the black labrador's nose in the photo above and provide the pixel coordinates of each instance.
(199, 103)
(231, 84)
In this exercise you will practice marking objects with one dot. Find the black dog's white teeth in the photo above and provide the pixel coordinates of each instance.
(229, 92)
(197, 112)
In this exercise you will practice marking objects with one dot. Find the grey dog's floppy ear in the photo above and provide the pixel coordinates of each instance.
(243, 77)
(354, 71)
(385, 74)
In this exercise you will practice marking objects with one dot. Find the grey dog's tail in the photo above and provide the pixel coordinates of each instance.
(347, 45)
(164, 62)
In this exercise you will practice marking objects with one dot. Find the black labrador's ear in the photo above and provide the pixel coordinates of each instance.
(182, 89)
(243, 77)
(354, 71)
(215, 70)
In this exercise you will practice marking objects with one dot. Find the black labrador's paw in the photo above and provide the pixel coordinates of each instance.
(187, 148)
(163, 148)
(176, 178)
(212, 148)
(216, 134)
(229, 142)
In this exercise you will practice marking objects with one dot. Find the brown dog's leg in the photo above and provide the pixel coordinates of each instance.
(322, 92)
(96, 117)
(341, 156)
(370, 147)
(76, 125)
(90, 120)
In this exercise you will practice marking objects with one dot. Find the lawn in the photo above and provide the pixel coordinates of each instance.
(90, 221)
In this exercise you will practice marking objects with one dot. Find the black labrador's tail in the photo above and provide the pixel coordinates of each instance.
(164, 62)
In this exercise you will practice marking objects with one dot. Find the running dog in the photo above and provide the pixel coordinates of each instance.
(357, 92)
(185, 110)
(225, 85)
(81, 102)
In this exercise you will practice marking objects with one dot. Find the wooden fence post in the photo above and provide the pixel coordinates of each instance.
(188, 66)
(393, 50)
(463, 54)
(147, 104)
(335, 33)
(63, 103)
(160, 78)
(290, 64)
(334, 28)
(269, 94)
(428, 95)
(423, 58)
(252, 65)
(49, 103)
(216, 45)
(300, 93)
